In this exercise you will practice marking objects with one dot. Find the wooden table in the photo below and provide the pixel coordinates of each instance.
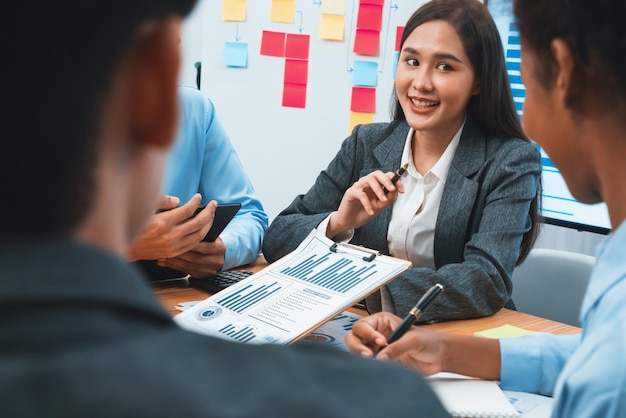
(173, 292)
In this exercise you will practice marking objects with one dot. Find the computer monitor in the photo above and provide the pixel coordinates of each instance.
(560, 208)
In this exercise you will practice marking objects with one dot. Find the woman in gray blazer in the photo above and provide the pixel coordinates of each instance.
(466, 210)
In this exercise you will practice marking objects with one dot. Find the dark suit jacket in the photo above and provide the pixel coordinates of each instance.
(83, 336)
(482, 218)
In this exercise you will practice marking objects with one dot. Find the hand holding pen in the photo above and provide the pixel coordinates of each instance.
(397, 176)
(416, 313)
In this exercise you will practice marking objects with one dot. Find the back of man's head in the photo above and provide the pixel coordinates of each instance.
(59, 61)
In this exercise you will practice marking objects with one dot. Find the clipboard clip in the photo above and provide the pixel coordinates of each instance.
(365, 253)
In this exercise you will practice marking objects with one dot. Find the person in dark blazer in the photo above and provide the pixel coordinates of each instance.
(93, 112)
(466, 211)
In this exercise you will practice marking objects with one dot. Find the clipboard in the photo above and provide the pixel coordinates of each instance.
(295, 295)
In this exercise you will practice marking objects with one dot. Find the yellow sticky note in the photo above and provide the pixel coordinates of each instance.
(331, 27)
(503, 332)
(359, 118)
(234, 10)
(333, 7)
(283, 11)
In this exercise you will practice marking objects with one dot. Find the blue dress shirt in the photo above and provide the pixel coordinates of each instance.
(203, 160)
(587, 372)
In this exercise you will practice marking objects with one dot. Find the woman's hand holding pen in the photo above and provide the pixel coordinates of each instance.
(365, 199)
(419, 349)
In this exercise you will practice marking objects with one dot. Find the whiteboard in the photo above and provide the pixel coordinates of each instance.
(283, 149)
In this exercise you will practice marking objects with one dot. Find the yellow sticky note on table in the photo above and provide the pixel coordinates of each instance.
(503, 332)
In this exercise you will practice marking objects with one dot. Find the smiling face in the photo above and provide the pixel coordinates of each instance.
(434, 79)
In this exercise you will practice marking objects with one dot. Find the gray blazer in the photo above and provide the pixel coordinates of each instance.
(482, 218)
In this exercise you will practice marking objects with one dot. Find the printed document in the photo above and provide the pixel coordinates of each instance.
(294, 295)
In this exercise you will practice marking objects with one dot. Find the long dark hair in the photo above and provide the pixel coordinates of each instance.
(493, 109)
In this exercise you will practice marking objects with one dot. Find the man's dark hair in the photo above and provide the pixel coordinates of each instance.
(59, 58)
(594, 32)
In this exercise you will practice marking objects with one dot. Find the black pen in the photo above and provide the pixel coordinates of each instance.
(416, 313)
(397, 176)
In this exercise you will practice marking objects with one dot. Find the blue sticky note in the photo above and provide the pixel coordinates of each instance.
(365, 73)
(236, 54)
(396, 58)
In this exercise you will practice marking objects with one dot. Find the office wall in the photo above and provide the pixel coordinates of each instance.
(285, 148)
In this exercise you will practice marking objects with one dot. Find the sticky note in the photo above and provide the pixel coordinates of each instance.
(331, 27)
(234, 10)
(333, 7)
(283, 11)
(359, 118)
(296, 71)
(366, 42)
(399, 31)
(503, 331)
(294, 95)
(297, 46)
(363, 100)
(273, 43)
(364, 73)
(396, 58)
(236, 54)
(370, 17)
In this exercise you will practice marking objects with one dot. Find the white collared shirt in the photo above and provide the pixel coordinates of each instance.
(414, 215)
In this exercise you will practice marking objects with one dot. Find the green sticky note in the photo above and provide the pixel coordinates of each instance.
(503, 332)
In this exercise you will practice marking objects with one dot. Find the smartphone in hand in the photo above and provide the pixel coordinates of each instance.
(224, 213)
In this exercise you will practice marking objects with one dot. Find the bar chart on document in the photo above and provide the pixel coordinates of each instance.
(291, 297)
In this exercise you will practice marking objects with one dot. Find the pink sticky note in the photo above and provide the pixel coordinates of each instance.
(296, 71)
(363, 100)
(273, 43)
(399, 31)
(297, 46)
(370, 17)
(294, 95)
(366, 42)
(376, 2)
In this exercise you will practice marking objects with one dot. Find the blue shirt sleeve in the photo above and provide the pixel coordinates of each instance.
(532, 363)
(203, 160)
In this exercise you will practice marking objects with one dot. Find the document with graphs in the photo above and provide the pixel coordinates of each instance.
(296, 294)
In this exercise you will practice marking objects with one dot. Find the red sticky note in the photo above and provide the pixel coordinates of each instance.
(294, 95)
(399, 31)
(366, 42)
(363, 100)
(370, 17)
(296, 71)
(297, 46)
(376, 2)
(273, 43)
